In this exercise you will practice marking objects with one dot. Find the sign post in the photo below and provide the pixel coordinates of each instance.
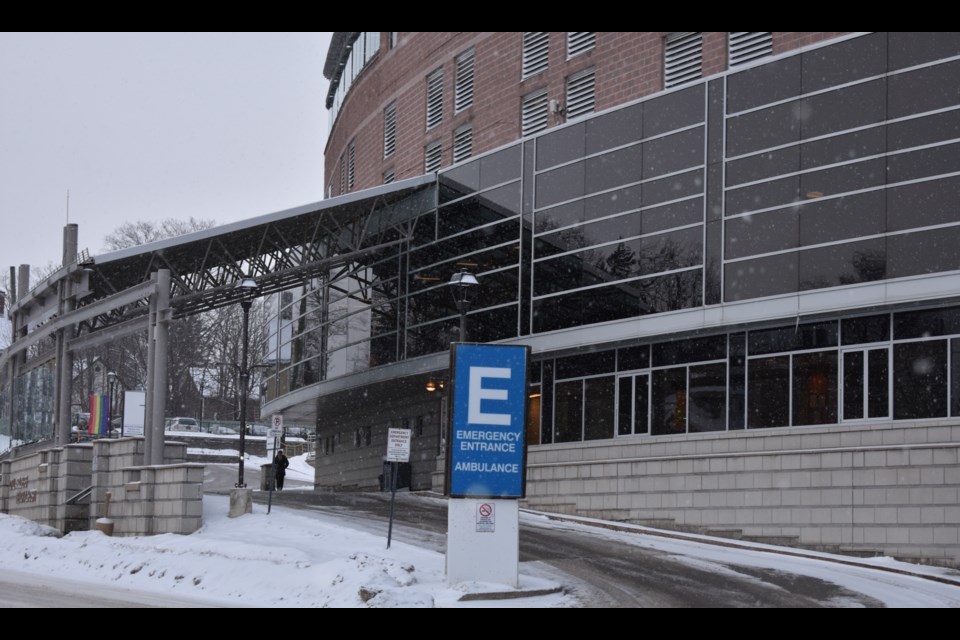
(486, 462)
(398, 450)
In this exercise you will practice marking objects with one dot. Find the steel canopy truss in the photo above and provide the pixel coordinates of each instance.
(280, 251)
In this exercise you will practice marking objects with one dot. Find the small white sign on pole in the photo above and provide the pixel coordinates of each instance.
(277, 421)
(398, 445)
(273, 442)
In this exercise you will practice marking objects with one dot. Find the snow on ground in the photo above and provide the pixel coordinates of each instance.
(288, 558)
(890, 587)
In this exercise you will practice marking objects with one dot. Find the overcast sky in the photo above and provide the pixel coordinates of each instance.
(151, 126)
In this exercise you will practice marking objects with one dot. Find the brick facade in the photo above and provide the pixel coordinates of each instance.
(628, 66)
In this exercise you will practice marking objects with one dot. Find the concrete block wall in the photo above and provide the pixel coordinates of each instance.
(110, 458)
(76, 463)
(160, 499)
(890, 489)
(29, 485)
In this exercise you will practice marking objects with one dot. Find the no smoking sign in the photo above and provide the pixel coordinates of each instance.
(486, 518)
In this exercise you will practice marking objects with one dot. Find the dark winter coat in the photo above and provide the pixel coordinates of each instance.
(280, 464)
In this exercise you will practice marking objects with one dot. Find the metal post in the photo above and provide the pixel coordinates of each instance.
(393, 499)
(160, 365)
(244, 391)
(151, 358)
(462, 307)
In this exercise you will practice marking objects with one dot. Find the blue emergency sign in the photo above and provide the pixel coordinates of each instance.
(487, 437)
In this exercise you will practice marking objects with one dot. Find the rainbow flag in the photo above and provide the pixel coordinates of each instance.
(99, 414)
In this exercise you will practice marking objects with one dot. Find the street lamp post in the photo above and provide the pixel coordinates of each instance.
(247, 287)
(462, 286)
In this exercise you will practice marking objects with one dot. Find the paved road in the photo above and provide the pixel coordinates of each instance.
(30, 591)
(600, 572)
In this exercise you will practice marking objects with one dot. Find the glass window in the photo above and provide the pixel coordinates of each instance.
(853, 386)
(562, 145)
(862, 214)
(768, 392)
(815, 388)
(762, 233)
(568, 415)
(546, 434)
(920, 131)
(500, 167)
(924, 324)
(845, 62)
(920, 380)
(843, 264)
(677, 214)
(920, 252)
(772, 82)
(814, 335)
(842, 148)
(669, 401)
(598, 408)
(585, 307)
(760, 277)
(673, 153)
(614, 129)
(615, 168)
(924, 162)
(955, 377)
(770, 127)
(625, 406)
(923, 90)
(926, 203)
(868, 329)
(763, 166)
(605, 204)
(631, 358)
(673, 188)
(565, 183)
(673, 111)
(585, 365)
(633, 405)
(878, 383)
(738, 375)
(560, 216)
(689, 350)
(533, 415)
(763, 196)
(910, 48)
(843, 109)
(708, 397)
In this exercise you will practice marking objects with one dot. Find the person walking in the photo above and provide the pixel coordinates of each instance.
(280, 464)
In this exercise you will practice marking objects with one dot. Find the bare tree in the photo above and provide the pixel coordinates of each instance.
(132, 234)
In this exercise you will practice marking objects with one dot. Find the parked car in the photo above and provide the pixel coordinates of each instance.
(257, 429)
(224, 430)
(183, 424)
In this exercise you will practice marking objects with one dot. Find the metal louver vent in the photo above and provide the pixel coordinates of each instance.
(463, 143)
(580, 93)
(682, 60)
(535, 45)
(434, 98)
(580, 41)
(388, 176)
(749, 45)
(533, 113)
(351, 165)
(463, 86)
(343, 175)
(390, 129)
(432, 157)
